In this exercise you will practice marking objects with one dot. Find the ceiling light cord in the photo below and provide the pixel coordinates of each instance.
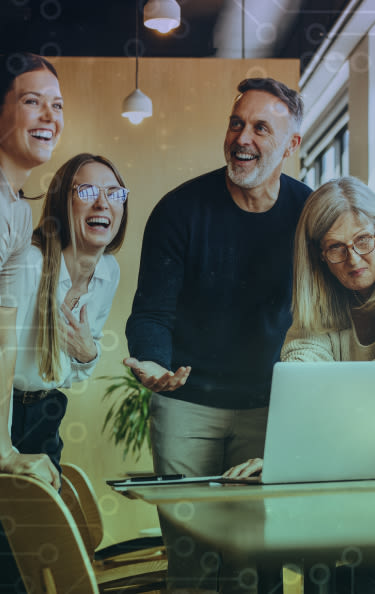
(243, 29)
(136, 46)
(137, 105)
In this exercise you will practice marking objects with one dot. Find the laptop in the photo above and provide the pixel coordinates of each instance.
(321, 423)
(321, 427)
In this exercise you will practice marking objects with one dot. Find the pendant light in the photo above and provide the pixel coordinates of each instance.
(162, 15)
(137, 105)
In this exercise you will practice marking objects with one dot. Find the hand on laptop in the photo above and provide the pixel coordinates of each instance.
(248, 468)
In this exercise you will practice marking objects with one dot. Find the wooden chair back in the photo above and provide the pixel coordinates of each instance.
(80, 497)
(45, 541)
(72, 501)
(88, 500)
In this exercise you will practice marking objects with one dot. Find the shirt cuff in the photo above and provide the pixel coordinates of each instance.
(79, 365)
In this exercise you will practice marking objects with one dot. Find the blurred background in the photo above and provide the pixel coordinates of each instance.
(325, 48)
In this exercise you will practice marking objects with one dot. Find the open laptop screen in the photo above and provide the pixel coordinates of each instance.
(321, 423)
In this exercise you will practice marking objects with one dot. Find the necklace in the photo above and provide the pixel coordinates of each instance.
(74, 301)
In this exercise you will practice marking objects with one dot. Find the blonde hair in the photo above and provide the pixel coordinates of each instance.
(320, 302)
(54, 232)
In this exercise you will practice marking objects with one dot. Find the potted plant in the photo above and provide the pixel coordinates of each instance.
(128, 415)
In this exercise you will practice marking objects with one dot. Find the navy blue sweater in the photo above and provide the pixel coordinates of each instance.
(214, 290)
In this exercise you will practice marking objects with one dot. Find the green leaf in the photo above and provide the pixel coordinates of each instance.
(127, 417)
(108, 417)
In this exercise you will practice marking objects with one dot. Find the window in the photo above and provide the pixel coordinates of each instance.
(328, 159)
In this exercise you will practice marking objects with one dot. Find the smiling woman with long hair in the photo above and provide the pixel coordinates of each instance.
(68, 286)
(31, 122)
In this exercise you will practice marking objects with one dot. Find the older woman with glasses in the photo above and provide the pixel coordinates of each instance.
(334, 281)
(333, 294)
(68, 285)
(334, 276)
(333, 299)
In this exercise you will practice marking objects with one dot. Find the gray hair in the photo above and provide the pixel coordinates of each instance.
(289, 97)
(320, 302)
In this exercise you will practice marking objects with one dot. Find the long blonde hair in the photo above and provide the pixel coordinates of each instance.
(320, 302)
(54, 232)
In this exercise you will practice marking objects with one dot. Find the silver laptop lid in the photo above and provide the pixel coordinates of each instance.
(321, 423)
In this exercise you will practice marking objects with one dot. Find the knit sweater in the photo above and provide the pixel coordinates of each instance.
(214, 290)
(342, 345)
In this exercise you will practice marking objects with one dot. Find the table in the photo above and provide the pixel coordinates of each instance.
(319, 522)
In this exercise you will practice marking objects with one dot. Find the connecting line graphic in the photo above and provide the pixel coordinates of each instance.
(352, 558)
(242, 6)
(266, 32)
(247, 579)
(281, 4)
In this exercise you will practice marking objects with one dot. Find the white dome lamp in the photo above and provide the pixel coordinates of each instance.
(162, 15)
(137, 105)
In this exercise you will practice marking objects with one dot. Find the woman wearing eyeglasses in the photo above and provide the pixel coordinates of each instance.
(68, 286)
(333, 294)
(334, 276)
(333, 300)
(334, 281)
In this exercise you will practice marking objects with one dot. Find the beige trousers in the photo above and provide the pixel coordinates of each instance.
(199, 440)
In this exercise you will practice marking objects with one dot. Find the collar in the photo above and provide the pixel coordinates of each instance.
(101, 270)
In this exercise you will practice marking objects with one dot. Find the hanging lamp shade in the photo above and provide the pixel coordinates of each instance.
(136, 107)
(162, 15)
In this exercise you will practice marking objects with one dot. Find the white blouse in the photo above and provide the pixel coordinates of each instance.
(98, 299)
(15, 237)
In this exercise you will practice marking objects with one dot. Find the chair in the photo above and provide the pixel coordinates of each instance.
(117, 553)
(45, 541)
(49, 549)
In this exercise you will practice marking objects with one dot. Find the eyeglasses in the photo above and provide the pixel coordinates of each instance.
(362, 245)
(90, 193)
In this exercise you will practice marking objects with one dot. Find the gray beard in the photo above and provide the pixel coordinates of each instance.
(242, 180)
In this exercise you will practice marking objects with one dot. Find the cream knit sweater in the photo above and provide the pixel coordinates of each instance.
(342, 345)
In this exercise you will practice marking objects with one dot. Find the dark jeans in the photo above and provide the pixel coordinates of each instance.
(35, 426)
(35, 430)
